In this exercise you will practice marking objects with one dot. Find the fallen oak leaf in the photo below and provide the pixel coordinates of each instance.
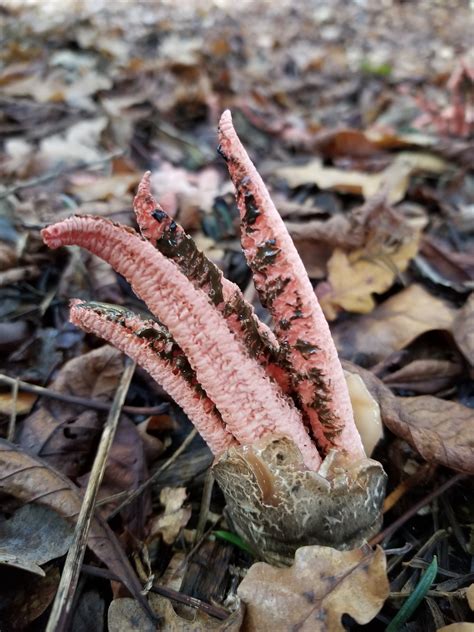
(355, 277)
(314, 593)
(32, 480)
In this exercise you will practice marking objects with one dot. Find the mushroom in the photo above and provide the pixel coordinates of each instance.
(273, 406)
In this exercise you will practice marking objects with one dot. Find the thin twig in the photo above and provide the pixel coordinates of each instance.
(79, 401)
(169, 593)
(47, 177)
(12, 423)
(390, 530)
(205, 504)
(134, 495)
(72, 567)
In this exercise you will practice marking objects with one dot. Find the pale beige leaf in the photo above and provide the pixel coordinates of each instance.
(174, 517)
(394, 179)
(314, 593)
(355, 277)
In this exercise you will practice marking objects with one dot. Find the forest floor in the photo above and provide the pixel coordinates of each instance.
(360, 119)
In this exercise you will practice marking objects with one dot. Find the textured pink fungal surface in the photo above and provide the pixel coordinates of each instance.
(284, 286)
(228, 371)
(172, 241)
(150, 352)
(250, 403)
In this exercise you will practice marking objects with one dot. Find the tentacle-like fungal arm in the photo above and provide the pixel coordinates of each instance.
(173, 242)
(251, 405)
(151, 345)
(212, 354)
(284, 287)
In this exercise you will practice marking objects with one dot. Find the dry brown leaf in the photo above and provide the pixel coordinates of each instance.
(64, 434)
(23, 403)
(394, 179)
(32, 480)
(125, 615)
(25, 598)
(441, 431)
(425, 376)
(8, 256)
(463, 330)
(355, 277)
(174, 516)
(392, 325)
(345, 142)
(35, 534)
(201, 622)
(314, 593)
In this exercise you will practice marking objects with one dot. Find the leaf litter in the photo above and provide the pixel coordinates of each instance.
(366, 145)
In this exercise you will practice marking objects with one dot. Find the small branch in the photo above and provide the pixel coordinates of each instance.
(79, 401)
(72, 567)
(134, 495)
(205, 504)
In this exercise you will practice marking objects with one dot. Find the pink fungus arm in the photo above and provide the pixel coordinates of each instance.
(173, 242)
(284, 287)
(152, 347)
(251, 405)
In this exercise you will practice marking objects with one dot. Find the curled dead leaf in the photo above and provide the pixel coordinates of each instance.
(314, 593)
(441, 431)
